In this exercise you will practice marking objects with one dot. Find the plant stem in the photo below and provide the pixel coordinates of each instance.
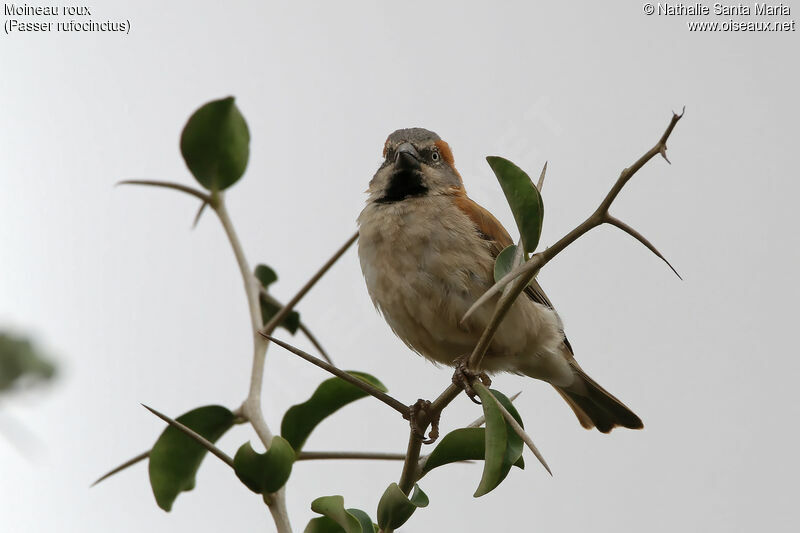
(376, 456)
(410, 472)
(251, 408)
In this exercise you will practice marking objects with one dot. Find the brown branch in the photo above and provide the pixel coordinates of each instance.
(363, 385)
(123, 466)
(201, 440)
(410, 473)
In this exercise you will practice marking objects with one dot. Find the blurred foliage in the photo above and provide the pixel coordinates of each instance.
(21, 364)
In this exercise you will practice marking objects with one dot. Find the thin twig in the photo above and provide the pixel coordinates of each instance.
(517, 428)
(204, 442)
(395, 404)
(313, 340)
(529, 269)
(280, 315)
(377, 456)
(170, 185)
(301, 326)
(123, 466)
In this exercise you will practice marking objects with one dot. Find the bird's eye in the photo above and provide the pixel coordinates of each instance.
(435, 155)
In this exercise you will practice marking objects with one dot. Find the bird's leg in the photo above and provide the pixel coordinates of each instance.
(420, 416)
(463, 378)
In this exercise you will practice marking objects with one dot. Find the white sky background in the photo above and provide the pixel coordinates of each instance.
(138, 308)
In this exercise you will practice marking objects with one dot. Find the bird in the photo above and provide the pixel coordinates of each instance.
(427, 252)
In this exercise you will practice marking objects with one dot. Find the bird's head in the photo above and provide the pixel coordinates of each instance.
(417, 162)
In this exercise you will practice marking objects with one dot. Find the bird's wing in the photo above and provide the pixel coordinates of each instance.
(493, 231)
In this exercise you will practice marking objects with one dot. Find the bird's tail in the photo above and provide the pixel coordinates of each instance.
(596, 407)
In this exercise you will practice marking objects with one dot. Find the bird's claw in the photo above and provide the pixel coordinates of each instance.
(463, 378)
(419, 417)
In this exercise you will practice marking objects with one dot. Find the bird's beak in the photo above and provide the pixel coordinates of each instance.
(407, 157)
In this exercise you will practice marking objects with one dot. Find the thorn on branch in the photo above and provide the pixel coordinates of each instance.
(639, 237)
(170, 185)
(663, 152)
(519, 431)
(540, 184)
(201, 440)
(123, 466)
(199, 214)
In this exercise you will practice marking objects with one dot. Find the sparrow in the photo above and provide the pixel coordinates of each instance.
(427, 252)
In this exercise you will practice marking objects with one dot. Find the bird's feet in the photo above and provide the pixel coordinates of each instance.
(420, 416)
(463, 378)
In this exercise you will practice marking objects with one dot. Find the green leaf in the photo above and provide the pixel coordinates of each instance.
(496, 440)
(366, 522)
(267, 472)
(323, 524)
(332, 394)
(176, 457)
(504, 262)
(503, 446)
(215, 144)
(332, 507)
(265, 275)
(395, 508)
(524, 199)
(465, 444)
(514, 445)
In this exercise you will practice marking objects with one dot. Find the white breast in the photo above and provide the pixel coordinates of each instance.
(425, 264)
